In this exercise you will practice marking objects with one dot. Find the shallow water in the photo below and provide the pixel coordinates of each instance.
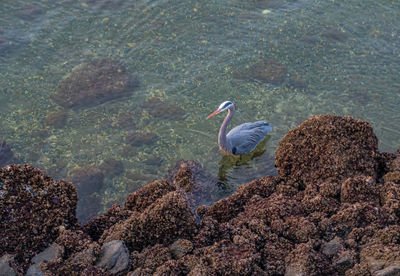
(343, 57)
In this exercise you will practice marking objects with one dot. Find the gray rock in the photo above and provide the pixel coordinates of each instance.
(51, 253)
(5, 265)
(393, 270)
(114, 257)
(331, 248)
(34, 270)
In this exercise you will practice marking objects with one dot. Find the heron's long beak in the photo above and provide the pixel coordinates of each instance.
(214, 113)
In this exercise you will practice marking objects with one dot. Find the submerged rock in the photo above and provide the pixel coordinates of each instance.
(94, 82)
(160, 109)
(112, 167)
(87, 180)
(138, 139)
(334, 34)
(30, 11)
(56, 119)
(6, 155)
(267, 70)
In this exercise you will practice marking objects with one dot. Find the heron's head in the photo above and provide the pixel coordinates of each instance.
(224, 106)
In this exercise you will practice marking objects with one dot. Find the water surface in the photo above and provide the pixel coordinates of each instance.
(342, 57)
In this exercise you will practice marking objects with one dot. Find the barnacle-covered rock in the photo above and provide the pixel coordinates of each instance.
(33, 207)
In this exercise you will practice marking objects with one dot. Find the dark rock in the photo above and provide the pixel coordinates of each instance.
(111, 167)
(138, 139)
(344, 262)
(56, 119)
(327, 148)
(334, 34)
(6, 268)
(30, 11)
(87, 180)
(95, 82)
(33, 207)
(332, 248)
(114, 257)
(157, 108)
(267, 70)
(6, 155)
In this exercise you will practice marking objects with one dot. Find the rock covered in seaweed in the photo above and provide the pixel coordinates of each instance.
(327, 148)
(33, 207)
(94, 82)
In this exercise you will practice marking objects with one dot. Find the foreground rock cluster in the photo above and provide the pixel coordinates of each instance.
(334, 209)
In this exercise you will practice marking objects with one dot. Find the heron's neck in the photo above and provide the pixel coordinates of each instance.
(222, 141)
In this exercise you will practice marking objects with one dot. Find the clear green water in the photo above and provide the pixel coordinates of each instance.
(185, 52)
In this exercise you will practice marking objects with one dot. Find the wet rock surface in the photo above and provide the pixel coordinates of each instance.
(334, 209)
(94, 82)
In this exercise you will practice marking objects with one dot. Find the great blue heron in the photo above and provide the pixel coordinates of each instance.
(243, 138)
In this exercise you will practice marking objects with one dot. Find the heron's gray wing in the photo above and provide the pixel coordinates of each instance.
(247, 126)
(244, 138)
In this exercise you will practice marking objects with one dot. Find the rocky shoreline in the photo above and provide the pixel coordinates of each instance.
(334, 209)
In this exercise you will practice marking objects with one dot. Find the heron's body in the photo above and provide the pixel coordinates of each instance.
(243, 138)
